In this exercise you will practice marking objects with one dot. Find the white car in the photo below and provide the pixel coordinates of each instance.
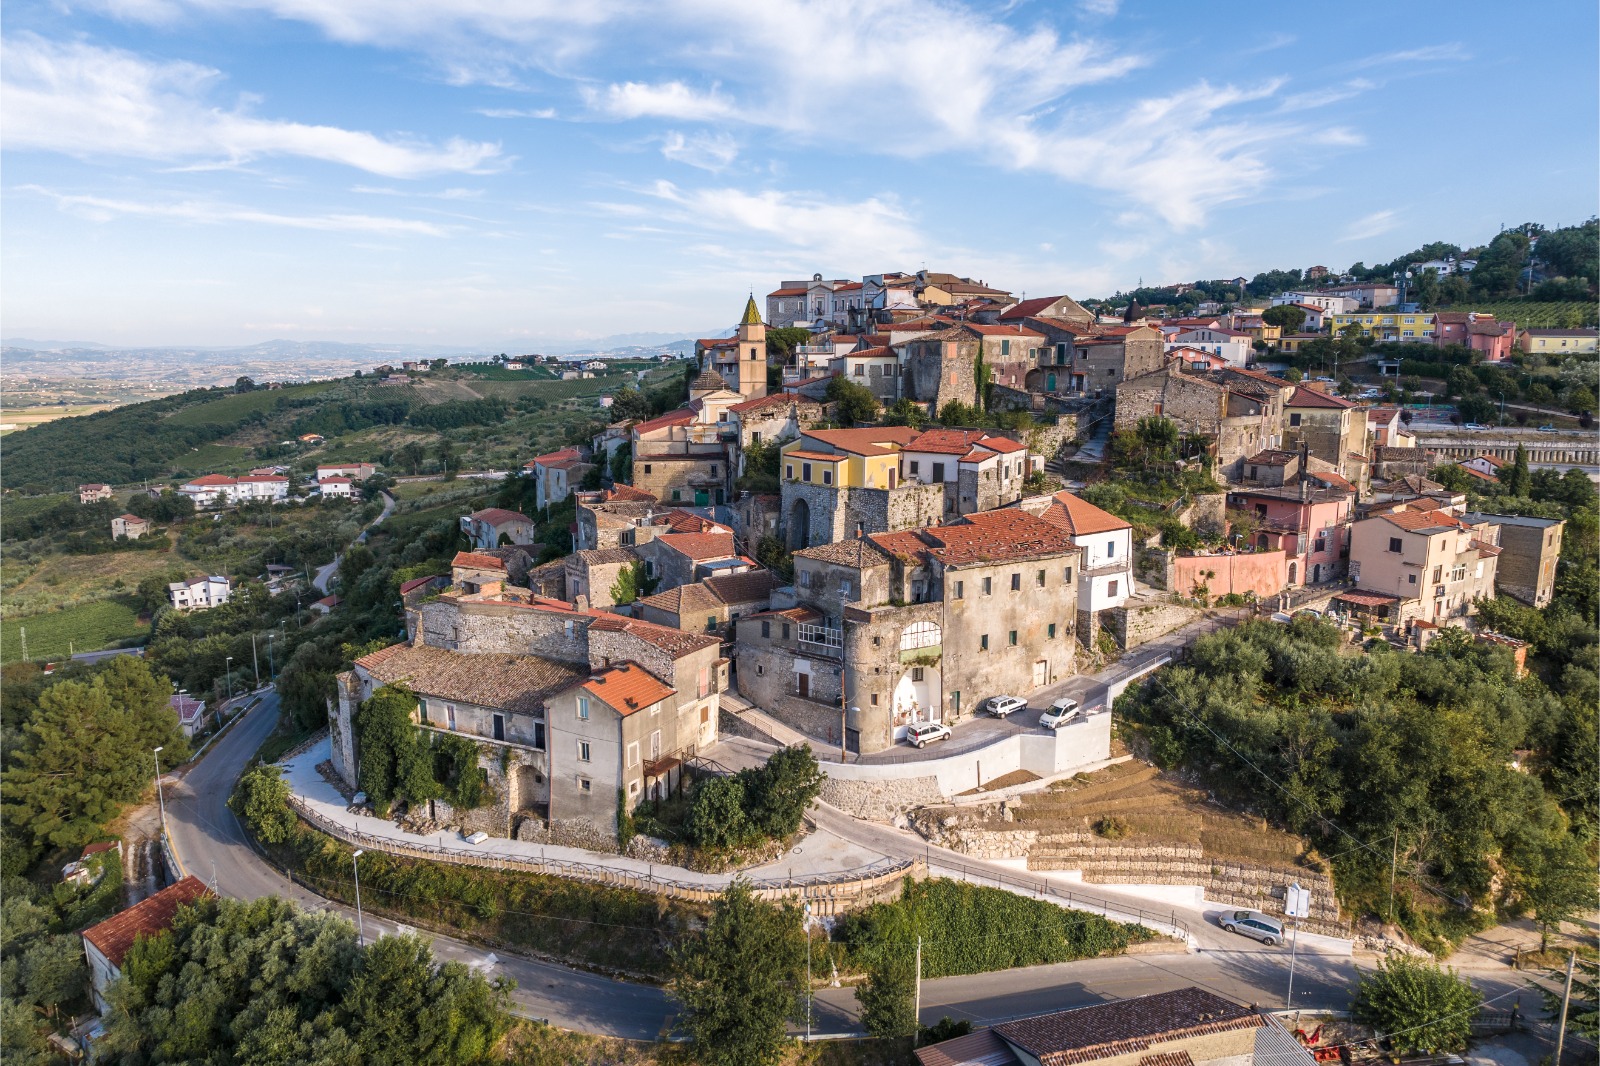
(1061, 712)
(922, 733)
(1000, 706)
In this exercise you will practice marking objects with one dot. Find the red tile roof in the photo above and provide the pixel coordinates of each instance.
(699, 545)
(788, 292)
(681, 521)
(187, 707)
(498, 516)
(1424, 521)
(627, 688)
(680, 417)
(991, 536)
(948, 441)
(417, 582)
(628, 492)
(1126, 1025)
(1367, 599)
(820, 457)
(211, 479)
(1027, 308)
(881, 440)
(674, 642)
(115, 936)
(1000, 330)
(479, 560)
(550, 458)
(1304, 397)
(1080, 517)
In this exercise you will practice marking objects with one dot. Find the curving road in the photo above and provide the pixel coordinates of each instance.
(326, 571)
(211, 844)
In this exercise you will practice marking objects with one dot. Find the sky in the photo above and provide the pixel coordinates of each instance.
(502, 173)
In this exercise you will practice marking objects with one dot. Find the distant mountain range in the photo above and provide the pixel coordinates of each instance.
(284, 359)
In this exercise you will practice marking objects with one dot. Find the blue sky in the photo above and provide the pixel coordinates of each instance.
(506, 172)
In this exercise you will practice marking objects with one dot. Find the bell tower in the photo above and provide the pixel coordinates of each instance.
(752, 352)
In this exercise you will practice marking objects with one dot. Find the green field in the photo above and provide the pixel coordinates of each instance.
(20, 507)
(1535, 315)
(235, 408)
(500, 373)
(214, 459)
(56, 634)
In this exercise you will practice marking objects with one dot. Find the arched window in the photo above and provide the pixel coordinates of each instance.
(919, 635)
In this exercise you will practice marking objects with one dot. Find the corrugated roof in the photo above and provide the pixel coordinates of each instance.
(982, 1048)
(115, 936)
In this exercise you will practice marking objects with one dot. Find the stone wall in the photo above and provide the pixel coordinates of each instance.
(477, 628)
(1206, 513)
(938, 371)
(1141, 622)
(881, 801)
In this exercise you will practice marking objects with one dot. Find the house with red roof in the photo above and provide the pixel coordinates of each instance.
(1428, 565)
(494, 526)
(106, 944)
(1233, 345)
(1335, 429)
(556, 474)
(1105, 575)
(977, 469)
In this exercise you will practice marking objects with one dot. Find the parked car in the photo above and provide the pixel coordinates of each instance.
(923, 733)
(1253, 924)
(1061, 712)
(1000, 706)
(1547, 429)
(1474, 425)
(476, 838)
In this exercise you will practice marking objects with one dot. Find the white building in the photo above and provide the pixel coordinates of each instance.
(1232, 345)
(106, 945)
(353, 471)
(199, 593)
(1333, 305)
(336, 487)
(1105, 573)
(220, 490)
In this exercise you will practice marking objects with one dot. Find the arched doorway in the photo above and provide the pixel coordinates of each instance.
(799, 525)
(1293, 573)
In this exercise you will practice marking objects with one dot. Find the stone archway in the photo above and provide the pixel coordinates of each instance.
(1293, 570)
(799, 525)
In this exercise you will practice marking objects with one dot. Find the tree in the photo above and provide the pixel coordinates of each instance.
(410, 456)
(244, 385)
(777, 793)
(405, 1008)
(261, 800)
(1583, 1011)
(1287, 316)
(448, 457)
(1293, 375)
(740, 981)
(1516, 478)
(716, 814)
(1424, 1009)
(888, 996)
(632, 583)
(855, 403)
(904, 412)
(1558, 883)
(628, 402)
(783, 340)
(53, 971)
(395, 758)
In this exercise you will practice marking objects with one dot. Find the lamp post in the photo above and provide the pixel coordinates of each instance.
(160, 799)
(361, 935)
(228, 670)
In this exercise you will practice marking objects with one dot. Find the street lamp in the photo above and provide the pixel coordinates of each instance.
(229, 675)
(160, 799)
(361, 936)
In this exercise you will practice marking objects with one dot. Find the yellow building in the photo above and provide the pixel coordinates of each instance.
(1295, 341)
(1537, 341)
(1388, 325)
(847, 458)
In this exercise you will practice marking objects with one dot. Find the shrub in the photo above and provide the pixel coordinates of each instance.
(1111, 827)
(1424, 1008)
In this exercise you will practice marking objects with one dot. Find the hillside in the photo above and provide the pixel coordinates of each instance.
(490, 417)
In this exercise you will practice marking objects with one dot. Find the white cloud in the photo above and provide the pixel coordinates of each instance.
(1099, 8)
(707, 151)
(514, 112)
(87, 101)
(1373, 225)
(104, 209)
(671, 99)
(1452, 52)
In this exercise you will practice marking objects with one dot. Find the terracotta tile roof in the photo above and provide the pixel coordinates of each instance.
(1003, 445)
(775, 399)
(979, 455)
(1027, 308)
(717, 342)
(627, 688)
(629, 493)
(1167, 1058)
(1270, 458)
(1491, 460)
(1486, 328)
(1304, 397)
(210, 480)
(752, 586)
(510, 682)
(1080, 517)
(693, 598)
(949, 441)
(1256, 375)
(699, 545)
(682, 416)
(905, 545)
(999, 330)
(551, 458)
(879, 352)
(1367, 599)
(334, 480)
(1480, 475)
(818, 457)
(115, 936)
(329, 602)
(480, 560)
(857, 552)
(1489, 550)
(681, 521)
(133, 518)
(1332, 480)
(187, 707)
(416, 583)
(674, 642)
(604, 556)
(788, 292)
(1424, 521)
(498, 516)
(992, 536)
(879, 440)
(1126, 1025)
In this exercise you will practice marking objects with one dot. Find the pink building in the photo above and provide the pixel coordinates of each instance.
(1481, 333)
(1310, 524)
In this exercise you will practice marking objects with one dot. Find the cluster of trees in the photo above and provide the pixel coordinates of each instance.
(760, 803)
(263, 981)
(76, 749)
(458, 413)
(400, 760)
(1389, 753)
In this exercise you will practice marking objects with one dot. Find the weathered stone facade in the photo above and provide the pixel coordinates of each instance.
(938, 371)
(832, 513)
(881, 801)
(1142, 621)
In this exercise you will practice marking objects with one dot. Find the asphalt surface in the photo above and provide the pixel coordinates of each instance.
(326, 571)
(211, 844)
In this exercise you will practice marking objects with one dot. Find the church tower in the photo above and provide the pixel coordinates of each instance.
(752, 352)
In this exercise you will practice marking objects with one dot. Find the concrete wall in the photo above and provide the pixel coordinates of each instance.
(1263, 573)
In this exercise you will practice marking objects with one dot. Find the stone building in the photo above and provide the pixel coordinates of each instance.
(1243, 417)
(741, 362)
(511, 671)
(674, 559)
(917, 625)
(687, 455)
(712, 605)
(494, 526)
(1530, 548)
(978, 470)
(840, 483)
(1334, 429)
(593, 573)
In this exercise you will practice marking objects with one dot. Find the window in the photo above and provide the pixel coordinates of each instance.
(713, 469)
(874, 699)
(499, 727)
(538, 735)
(583, 751)
(633, 788)
(766, 628)
(647, 468)
(583, 708)
(788, 471)
(1005, 347)
(983, 642)
(955, 701)
(703, 682)
(1294, 419)
(675, 495)
(633, 754)
(916, 673)
(1039, 579)
(1394, 545)
(1066, 574)
(1438, 574)
(914, 465)
(568, 628)
(1111, 549)
(1411, 579)
(988, 585)
(786, 631)
(844, 586)
(861, 370)
(961, 590)
(585, 785)
(650, 568)
(1112, 587)
(761, 671)
(827, 477)
(1050, 631)
(805, 471)
(711, 623)
(938, 471)
(1016, 582)
(422, 711)
(1013, 638)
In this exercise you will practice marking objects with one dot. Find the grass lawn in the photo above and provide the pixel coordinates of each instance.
(56, 634)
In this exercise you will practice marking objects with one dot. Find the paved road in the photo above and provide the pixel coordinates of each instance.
(325, 572)
(212, 845)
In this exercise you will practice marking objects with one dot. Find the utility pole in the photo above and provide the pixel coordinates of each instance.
(1394, 861)
(917, 1001)
(355, 866)
(255, 663)
(1566, 998)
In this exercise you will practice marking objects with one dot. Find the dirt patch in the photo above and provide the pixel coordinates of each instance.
(1015, 777)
